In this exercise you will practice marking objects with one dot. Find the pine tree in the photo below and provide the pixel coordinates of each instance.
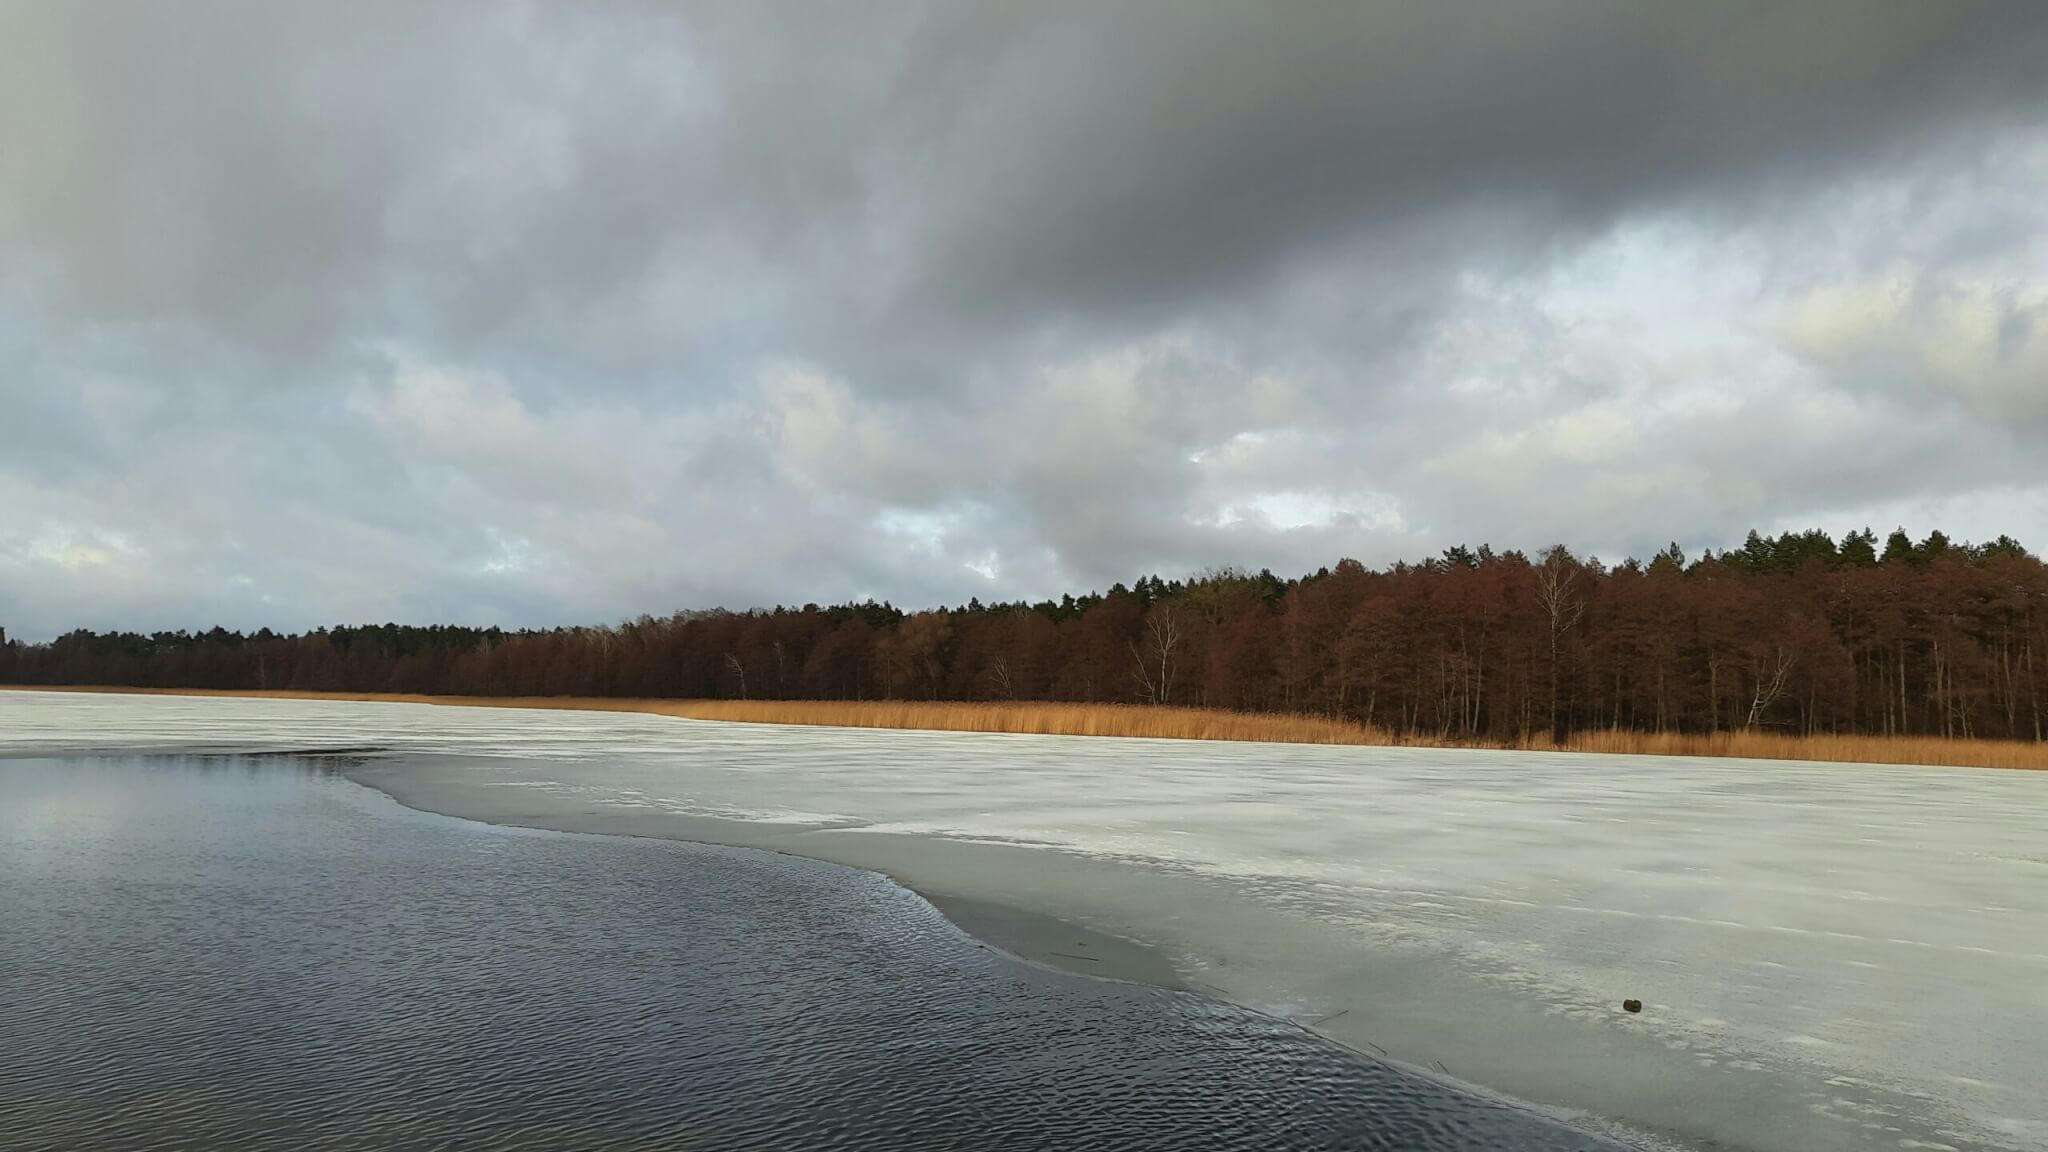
(1898, 548)
(1860, 549)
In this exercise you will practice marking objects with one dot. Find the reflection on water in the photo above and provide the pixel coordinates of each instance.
(257, 954)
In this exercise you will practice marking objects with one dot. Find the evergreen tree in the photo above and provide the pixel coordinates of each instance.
(1860, 549)
(1898, 548)
(1757, 555)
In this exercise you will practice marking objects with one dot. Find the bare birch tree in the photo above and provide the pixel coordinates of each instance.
(1771, 670)
(1562, 606)
(1155, 661)
(998, 674)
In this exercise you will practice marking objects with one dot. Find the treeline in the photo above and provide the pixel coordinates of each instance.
(1800, 633)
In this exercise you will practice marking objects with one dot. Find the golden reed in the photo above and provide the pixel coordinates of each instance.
(1203, 724)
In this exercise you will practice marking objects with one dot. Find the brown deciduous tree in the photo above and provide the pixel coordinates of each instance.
(1795, 634)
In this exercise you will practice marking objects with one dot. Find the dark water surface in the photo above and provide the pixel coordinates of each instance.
(255, 953)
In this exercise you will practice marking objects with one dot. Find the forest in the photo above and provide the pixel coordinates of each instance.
(1797, 634)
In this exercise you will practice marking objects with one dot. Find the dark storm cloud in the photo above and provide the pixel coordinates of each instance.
(1137, 162)
(571, 311)
(277, 168)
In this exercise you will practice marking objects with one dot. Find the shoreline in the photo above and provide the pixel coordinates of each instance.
(1178, 723)
(1035, 937)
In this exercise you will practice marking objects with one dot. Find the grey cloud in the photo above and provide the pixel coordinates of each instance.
(277, 168)
(491, 310)
(1147, 161)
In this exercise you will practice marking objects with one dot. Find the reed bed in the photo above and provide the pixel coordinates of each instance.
(1857, 749)
(1204, 724)
(1052, 718)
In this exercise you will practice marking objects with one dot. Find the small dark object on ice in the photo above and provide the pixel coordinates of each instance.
(1631, 1005)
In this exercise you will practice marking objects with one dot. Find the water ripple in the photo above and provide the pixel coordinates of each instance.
(264, 956)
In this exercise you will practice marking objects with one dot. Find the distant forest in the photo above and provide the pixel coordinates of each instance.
(1793, 634)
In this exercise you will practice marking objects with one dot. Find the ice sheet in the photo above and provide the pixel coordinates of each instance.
(1878, 934)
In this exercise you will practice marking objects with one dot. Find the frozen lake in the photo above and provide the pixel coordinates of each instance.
(1830, 956)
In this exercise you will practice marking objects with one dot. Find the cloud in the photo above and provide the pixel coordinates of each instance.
(534, 313)
(1969, 341)
(475, 426)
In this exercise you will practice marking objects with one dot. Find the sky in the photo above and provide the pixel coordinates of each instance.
(529, 314)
